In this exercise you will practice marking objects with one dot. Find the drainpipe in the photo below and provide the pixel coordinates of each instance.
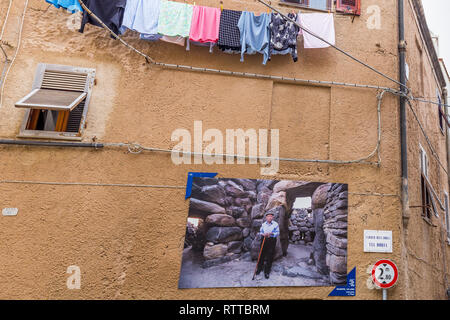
(447, 138)
(403, 127)
(404, 149)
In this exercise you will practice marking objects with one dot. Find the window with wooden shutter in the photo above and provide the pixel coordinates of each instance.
(58, 102)
(349, 6)
(427, 202)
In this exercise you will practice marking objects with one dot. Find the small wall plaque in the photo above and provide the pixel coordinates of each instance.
(10, 211)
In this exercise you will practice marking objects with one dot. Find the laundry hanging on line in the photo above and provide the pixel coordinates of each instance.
(321, 24)
(174, 22)
(233, 31)
(229, 34)
(283, 37)
(255, 34)
(70, 5)
(142, 16)
(110, 12)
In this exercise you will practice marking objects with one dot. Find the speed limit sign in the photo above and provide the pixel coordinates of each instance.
(384, 274)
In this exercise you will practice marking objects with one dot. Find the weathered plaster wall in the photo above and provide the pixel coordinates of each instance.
(424, 243)
(128, 241)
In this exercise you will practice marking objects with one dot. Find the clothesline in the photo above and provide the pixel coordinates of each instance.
(286, 47)
(236, 73)
(174, 21)
(231, 31)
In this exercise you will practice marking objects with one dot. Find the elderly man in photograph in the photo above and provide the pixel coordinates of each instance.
(270, 231)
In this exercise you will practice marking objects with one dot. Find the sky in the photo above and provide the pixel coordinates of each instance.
(301, 203)
(437, 14)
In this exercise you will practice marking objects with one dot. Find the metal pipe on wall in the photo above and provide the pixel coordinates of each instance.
(52, 143)
(403, 126)
(447, 138)
(403, 144)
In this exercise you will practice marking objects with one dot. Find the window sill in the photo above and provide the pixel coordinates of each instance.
(37, 134)
(299, 6)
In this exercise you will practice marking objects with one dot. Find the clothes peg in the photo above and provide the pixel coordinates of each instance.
(221, 5)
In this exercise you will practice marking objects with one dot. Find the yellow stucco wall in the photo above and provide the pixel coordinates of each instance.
(127, 240)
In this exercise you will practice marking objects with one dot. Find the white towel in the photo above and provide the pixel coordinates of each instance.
(321, 24)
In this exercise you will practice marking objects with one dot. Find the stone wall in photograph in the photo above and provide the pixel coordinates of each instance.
(330, 214)
(335, 228)
(301, 227)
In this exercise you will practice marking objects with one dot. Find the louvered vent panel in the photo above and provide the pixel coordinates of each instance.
(64, 81)
(73, 124)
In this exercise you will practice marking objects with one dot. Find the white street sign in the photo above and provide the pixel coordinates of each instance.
(377, 241)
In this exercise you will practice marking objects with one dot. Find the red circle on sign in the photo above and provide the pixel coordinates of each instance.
(385, 285)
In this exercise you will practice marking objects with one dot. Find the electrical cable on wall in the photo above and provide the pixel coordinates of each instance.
(139, 148)
(15, 54)
(136, 148)
(261, 76)
(226, 72)
(6, 19)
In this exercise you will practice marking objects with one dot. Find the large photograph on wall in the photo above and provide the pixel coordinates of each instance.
(265, 233)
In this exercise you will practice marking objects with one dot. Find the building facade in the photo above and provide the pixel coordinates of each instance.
(93, 198)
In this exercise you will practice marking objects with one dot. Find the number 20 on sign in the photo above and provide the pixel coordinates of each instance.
(384, 274)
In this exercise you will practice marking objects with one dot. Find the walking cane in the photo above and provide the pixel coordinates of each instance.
(259, 257)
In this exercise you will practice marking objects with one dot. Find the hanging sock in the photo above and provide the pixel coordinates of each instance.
(70, 5)
(321, 24)
(110, 12)
(254, 34)
(142, 16)
(283, 38)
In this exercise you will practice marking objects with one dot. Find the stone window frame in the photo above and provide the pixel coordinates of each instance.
(54, 135)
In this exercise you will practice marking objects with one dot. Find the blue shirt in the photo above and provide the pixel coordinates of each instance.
(71, 5)
(270, 228)
(142, 16)
(255, 34)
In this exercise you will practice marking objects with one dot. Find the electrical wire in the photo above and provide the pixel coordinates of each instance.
(227, 72)
(6, 19)
(5, 63)
(433, 152)
(15, 54)
(334, 46)
(92, 184)
(136, 148)
(260, 76)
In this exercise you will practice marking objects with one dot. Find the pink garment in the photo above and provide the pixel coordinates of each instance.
(205, 24)
(322, 24)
